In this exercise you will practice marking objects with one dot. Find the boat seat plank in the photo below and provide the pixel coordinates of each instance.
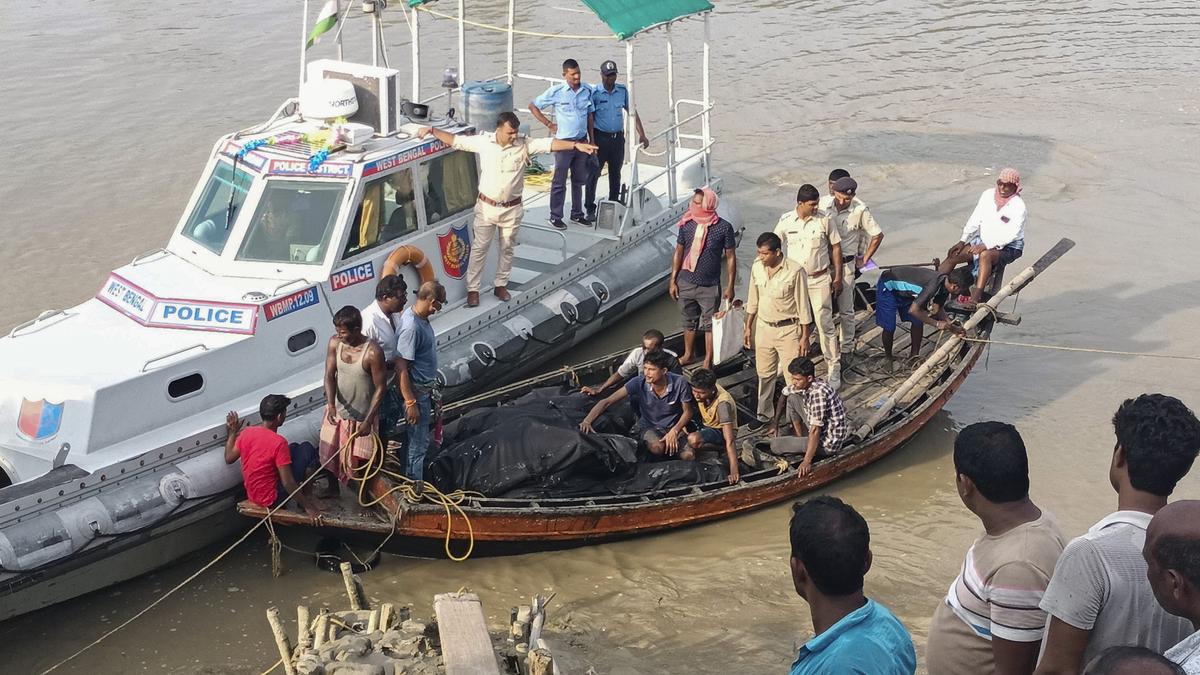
(466, 644)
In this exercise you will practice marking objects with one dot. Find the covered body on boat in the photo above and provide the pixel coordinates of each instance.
(111, 454)
(885, 410)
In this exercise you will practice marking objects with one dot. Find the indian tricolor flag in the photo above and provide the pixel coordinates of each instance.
(325, 22)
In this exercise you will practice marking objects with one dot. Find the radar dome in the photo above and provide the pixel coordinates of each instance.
(328, 99)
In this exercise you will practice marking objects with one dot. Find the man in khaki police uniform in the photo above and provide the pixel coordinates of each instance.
(777, 316)
(861, 237)
(814, 243)
(503, 157)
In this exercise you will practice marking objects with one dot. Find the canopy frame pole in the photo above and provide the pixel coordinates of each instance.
(512, 21)
(704, 121)
(337, 7)
(304, 45)
(630, 137)
(415, 29)
(462, 42)
(673, 136)
(375, 37)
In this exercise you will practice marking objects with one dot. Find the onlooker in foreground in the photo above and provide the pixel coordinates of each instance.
(1131, 661)
(817, 415)
(355, 381)
(1172, 555)
(1099, 596)
(632, 365)
(705, 241)
(831, 553)
(416, 366)
(718, 419)
(990, 620)
(271, 469)
(663, 402)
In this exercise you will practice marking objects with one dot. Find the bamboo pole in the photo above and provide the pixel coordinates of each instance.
(985, 309)
(303, 628)
(351, 587)
(281, 640)
(322, 632)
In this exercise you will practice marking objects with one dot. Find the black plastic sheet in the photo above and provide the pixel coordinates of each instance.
(532, 448)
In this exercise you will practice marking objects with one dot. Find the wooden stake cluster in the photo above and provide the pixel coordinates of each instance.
(532, 655)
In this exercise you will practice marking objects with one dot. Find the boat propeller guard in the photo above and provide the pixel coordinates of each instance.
(329, 560)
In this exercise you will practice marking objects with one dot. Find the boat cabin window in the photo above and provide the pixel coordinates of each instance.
(451, 185)
(388, 212)
(185, 386)
(302, 341)
(293, 222)
(213, 217)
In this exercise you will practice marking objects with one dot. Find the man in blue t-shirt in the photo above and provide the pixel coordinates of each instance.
(416, 369)
(917, 295)
(831, 553)
(663, 402)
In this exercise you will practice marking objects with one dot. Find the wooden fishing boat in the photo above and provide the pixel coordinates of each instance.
(885, 409)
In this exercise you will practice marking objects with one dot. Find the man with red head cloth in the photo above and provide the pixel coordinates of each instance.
(994, 234)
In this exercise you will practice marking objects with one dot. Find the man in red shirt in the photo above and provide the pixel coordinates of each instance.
(271, 470)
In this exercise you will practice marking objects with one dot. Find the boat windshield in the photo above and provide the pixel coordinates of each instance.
(293, 222)
(213, 217)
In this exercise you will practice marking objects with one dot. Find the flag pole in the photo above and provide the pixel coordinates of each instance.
(303, 43)
(337, 10)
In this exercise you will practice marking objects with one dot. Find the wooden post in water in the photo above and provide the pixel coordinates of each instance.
(303, 628)
(281, 640)
(356, 602)
(322, 632)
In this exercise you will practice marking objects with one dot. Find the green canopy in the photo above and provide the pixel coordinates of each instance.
(627, 18)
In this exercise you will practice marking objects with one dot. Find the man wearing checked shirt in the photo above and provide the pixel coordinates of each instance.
(609, 100)
(573, 120)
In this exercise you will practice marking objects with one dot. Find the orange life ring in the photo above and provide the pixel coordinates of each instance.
(408, 255)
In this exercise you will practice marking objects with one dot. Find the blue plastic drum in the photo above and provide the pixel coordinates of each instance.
(484, 101)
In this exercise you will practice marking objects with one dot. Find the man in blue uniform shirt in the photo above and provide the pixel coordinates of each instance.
(609, 100)
(831, 553)
(573, 119)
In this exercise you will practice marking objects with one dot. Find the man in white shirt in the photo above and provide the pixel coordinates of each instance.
(632, 365)
(1173, 557)
(994, 234)
(379, 321)
(1099, 595)
(503, 156)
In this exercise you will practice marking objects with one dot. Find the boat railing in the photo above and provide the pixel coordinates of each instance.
(48, 314)
(674, 157)
(287, 284)
(549, 230)
(143, 257)
(182, 350)
(285, 109)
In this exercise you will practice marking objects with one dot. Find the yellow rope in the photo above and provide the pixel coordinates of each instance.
(404, 486)
(1083, 349)
(516, 31)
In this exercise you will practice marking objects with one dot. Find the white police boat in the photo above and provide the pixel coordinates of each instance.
(111, 411)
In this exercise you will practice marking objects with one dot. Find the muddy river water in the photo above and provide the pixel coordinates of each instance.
(110, 109)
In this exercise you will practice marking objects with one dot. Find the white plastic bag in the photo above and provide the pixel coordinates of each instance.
(728, 327)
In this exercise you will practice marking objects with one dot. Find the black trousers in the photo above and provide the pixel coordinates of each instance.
(612, 152)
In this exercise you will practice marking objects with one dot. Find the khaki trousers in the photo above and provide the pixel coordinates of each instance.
(820, 296)
(848, 326)
(490, 220)
(774, 349)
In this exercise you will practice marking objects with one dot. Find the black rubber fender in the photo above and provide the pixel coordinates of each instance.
(329, 560)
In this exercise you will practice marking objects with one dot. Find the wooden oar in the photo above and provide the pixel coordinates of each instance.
(1021, 281)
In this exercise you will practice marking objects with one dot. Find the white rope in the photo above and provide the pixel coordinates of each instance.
(1088, 350)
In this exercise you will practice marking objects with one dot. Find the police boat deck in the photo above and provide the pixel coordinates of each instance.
(885, 409)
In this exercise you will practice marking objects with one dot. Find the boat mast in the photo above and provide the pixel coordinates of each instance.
(512, 17)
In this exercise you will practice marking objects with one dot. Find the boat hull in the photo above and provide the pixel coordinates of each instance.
(528, 526)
